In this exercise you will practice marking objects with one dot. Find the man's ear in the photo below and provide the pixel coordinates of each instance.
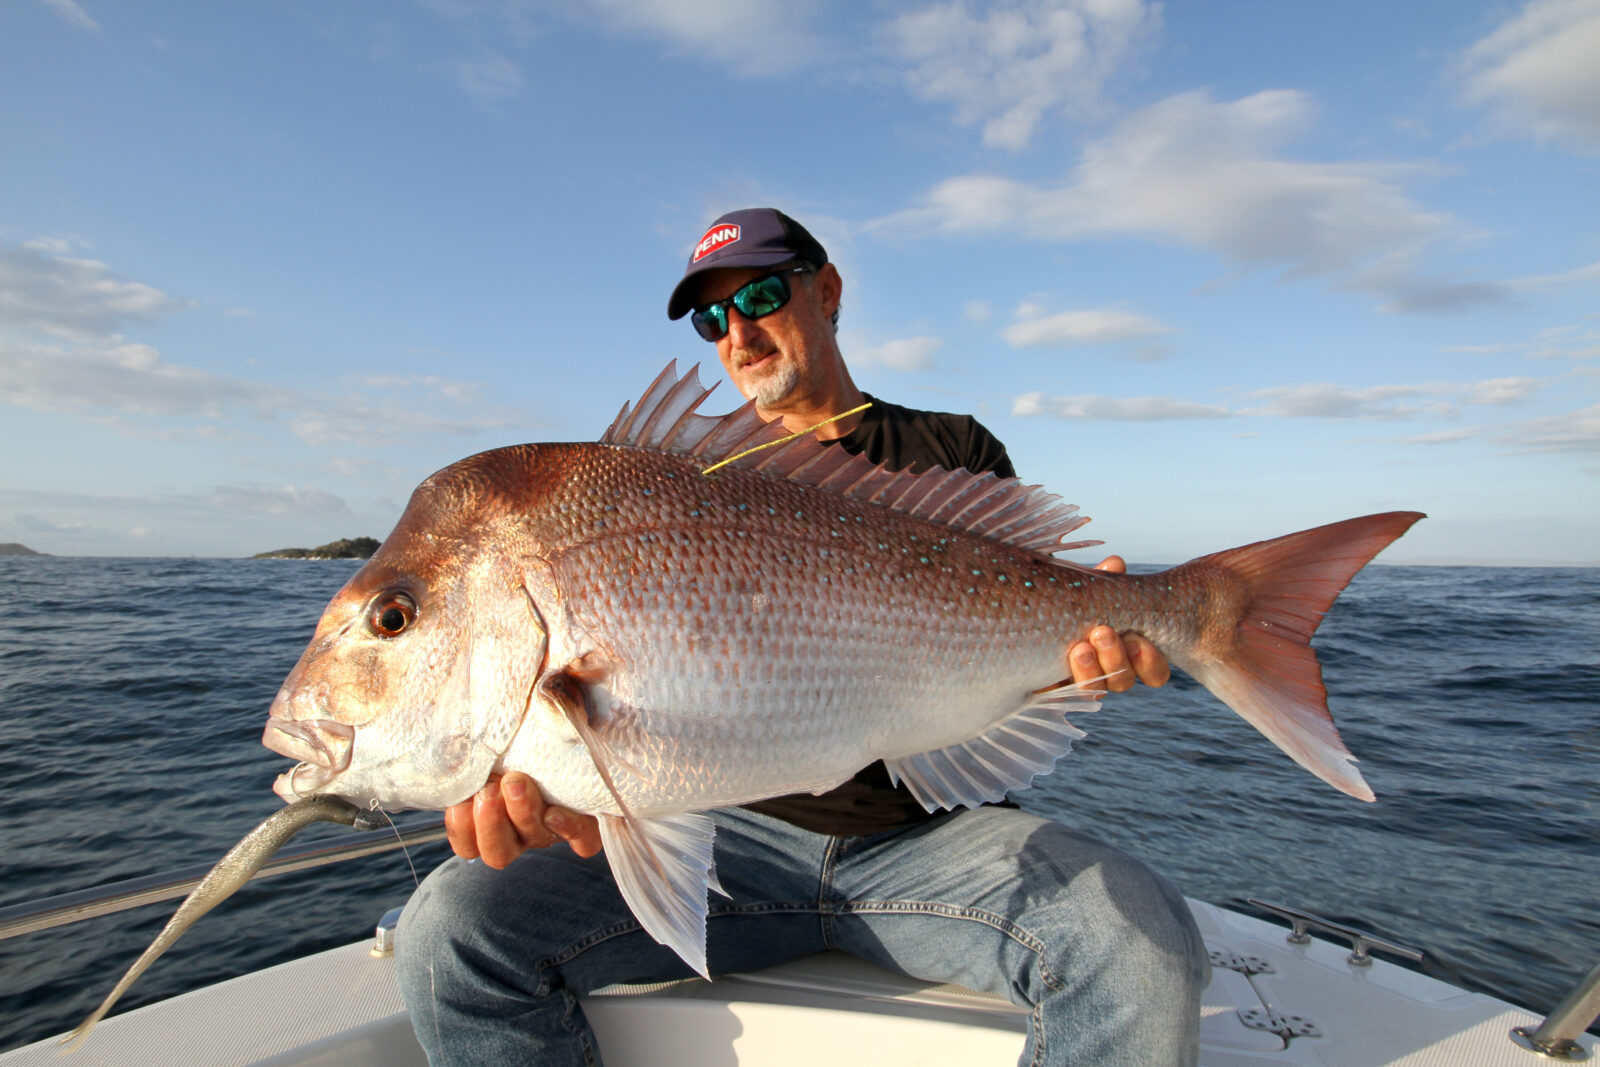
(830, 287)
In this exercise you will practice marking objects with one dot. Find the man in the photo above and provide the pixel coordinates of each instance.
(1103, 951)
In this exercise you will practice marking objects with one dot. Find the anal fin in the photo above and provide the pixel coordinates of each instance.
(1008, 756)
(664, 866)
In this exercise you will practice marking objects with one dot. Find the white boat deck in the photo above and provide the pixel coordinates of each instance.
(342, 1007)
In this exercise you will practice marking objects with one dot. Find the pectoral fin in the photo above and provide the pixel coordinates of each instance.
(664, 867)
(1009, 756)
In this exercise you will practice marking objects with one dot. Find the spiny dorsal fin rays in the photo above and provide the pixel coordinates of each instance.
(674, 410)
(1003, 509)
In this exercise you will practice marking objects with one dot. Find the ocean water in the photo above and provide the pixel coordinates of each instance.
(133, 694)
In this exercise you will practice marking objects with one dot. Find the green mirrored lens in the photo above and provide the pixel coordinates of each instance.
(715, 317)
(762, 296)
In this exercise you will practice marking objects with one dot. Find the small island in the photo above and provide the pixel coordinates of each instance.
(344, 548)
(11, 548)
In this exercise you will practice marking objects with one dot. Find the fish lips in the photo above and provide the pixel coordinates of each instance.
(322, 746)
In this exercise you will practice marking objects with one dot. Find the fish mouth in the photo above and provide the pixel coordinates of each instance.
(322, 746)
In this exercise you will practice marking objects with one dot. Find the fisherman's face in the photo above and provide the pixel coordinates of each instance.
(780, 359)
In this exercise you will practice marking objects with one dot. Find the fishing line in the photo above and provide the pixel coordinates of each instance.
(791, 437)
(372, 805)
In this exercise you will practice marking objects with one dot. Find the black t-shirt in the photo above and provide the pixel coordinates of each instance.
(896, 437)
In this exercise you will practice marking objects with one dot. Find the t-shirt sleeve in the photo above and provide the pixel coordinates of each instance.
(982, 451)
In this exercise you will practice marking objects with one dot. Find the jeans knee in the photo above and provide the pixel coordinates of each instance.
(418, 937)
(437, 930)
(1158, 938)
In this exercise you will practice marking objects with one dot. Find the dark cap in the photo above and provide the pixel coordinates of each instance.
(749, 237)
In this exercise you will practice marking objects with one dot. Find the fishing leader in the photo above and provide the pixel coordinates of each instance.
(493, 956)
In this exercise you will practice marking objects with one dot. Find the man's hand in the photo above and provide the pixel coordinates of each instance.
(508, 816)
(1107, 652)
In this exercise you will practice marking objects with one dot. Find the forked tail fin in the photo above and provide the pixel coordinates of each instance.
(1264, 667)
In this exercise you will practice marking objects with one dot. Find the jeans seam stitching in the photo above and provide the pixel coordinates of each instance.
(999, 922)
(830, 862)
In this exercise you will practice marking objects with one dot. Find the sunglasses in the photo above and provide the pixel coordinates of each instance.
(754, 299)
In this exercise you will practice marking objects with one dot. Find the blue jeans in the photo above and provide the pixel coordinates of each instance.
(1101, 948)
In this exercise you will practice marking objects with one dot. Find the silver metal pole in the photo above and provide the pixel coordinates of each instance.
(1557, 1036)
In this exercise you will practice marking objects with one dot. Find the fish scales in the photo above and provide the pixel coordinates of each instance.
(729, 602)
(649, 640)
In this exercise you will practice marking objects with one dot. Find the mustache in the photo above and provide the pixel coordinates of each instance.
(743, 356)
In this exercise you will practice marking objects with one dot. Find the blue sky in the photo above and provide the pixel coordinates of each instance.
(1213, 272)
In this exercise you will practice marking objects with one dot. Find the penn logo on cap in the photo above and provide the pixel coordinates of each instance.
(715, 238)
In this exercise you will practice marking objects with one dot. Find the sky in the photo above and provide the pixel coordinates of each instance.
(1214, 272)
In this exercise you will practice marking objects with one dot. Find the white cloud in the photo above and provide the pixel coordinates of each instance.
(1570, 342)
(1578, 276)
(1477, 350)
(749, 37)
(73, 13)
(1213, 175)
(490, 77)
(1539, 71)
(134, 379)
(1328, 401)
(1315, 400)
(1501, 390)
(1071, 328)
(1116, 408)
(117, 375)
(101, 375)
(73, 299)
(59, 246)
(285, 500)
(1007, 66)
(1574, 431)
(1394, 276)
(1441, 437)
(435, 384)
(907, 354)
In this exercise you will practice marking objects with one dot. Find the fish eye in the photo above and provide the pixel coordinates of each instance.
(390, 614)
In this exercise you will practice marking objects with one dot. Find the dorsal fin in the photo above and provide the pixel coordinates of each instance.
(1002, 509)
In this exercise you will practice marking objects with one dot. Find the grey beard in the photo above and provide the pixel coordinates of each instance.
(771, 390)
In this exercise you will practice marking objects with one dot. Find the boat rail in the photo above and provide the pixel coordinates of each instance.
(65, 908)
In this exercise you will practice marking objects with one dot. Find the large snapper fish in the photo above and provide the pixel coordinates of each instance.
(650, 639)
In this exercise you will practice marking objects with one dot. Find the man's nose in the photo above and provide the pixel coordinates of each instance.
(741, 328)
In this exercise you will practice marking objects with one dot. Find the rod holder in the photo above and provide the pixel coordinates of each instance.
(1557, 1037)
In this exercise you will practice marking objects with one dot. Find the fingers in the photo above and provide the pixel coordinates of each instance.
(459, 830)
(1113, 564)
(508, 816)
(525, 811)
(580, 832)
(1121, 658)
(499, 841)
(1149, 664)
(1102, 654)
(540, 825)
